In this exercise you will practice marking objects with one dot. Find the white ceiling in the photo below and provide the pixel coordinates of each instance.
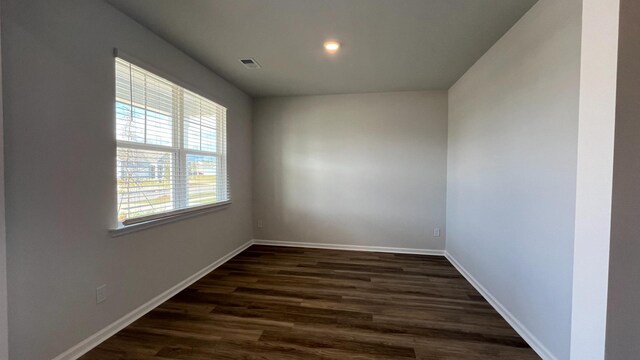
(388, 45)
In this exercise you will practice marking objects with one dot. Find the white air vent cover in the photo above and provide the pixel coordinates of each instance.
(250, 63)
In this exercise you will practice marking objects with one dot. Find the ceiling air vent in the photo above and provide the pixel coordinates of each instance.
(250, 63)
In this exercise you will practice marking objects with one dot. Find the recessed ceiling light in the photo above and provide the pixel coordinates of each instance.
(331, 46)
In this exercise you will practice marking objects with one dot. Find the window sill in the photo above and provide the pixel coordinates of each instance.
(124, 230)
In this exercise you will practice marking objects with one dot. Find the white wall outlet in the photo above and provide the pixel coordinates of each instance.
(259, 224)
(436, 232)
(101, 294)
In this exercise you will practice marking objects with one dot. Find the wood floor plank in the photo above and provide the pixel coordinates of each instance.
(317, 304)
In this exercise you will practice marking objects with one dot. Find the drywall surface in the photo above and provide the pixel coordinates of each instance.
(623, 318)
(512, 157)
(4, 336)
(362, 169)
(60, 165)
(599, 53)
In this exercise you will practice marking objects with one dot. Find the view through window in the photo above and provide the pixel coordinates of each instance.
(172, 147)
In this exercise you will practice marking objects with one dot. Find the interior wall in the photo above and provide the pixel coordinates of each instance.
(4, 336)
(60, 165)
(360, 169)
(623, 318)
(512, 154)
(599, 52)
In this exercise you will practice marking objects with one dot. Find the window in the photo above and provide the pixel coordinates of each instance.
(171, 154)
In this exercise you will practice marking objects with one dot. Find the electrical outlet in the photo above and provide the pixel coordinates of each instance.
(436, 232)
(259, 224)
(101, 294)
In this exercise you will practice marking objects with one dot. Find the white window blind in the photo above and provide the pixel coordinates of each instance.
(172, 147)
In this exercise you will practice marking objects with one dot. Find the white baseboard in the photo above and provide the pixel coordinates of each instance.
(97, 338)
(349, 247)
(535, 344)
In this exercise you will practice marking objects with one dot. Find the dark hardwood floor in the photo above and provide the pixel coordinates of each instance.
(290, 303)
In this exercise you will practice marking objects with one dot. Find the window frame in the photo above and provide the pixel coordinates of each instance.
(179, 153)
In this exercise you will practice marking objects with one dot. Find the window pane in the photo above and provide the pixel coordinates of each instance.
(209, 115)
(208, 139)
(144, 182)
(159, 111)
(129, 123)
(191, 108)
(144, 106)
(201, 180)
(191, 136)
(200, 123)
(123, 81)
(159, 129)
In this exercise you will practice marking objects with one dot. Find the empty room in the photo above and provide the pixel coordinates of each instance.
(319, 179)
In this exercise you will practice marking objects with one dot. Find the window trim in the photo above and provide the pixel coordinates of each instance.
(140, 223)
(188, 213)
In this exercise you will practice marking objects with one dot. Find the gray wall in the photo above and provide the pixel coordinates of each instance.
(623, 317)
(60, 166)
(366, 169)
(4, 346)
(513, 129)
